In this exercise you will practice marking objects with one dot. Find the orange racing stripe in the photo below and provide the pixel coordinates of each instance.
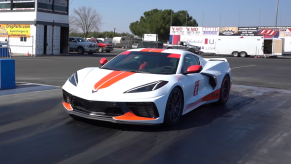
(106, 78)
(129, 116)
(212, 96)
(115, 79)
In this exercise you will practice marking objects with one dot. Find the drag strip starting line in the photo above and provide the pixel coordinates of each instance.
(243, 66)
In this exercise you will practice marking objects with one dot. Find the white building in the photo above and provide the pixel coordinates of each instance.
(36, 27)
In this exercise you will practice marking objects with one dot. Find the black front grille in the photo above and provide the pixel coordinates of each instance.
(143, 109)
(96, 107)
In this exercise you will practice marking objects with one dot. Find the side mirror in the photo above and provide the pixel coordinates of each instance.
(103, 61)
(194, 69)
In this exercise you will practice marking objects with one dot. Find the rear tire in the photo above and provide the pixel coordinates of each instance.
(235, 54)
(174, 108)
(224, 91)
(243, 54)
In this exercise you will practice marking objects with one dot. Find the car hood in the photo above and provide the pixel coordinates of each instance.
(112, 81)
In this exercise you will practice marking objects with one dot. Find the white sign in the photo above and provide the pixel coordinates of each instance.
(150, 37)
(194, 31)
(207, 43)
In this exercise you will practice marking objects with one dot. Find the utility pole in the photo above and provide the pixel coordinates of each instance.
(220, 20)
(238, 18)
(186, 17)
(171, 18)
(203, 19)
(114, 33)
(259, 17)
(277, 13)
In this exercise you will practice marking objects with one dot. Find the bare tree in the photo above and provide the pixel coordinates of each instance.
(86, 19)
(73, 27)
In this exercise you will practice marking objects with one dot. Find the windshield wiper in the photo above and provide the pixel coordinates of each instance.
(137, 71)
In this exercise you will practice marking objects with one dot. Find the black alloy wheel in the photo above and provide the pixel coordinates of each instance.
(174, 107)
(224, 91)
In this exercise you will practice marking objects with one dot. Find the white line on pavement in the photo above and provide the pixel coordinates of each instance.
(243, 66)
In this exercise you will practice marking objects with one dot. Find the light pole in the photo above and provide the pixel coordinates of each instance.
(277, 13)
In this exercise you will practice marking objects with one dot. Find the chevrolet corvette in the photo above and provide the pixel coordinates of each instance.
(147, 86)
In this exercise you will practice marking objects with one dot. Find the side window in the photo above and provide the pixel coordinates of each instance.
(188, 61)
(71, 39)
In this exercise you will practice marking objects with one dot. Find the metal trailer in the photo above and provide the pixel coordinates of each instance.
(244, 47)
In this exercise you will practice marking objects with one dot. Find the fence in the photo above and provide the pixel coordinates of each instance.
(19, 45)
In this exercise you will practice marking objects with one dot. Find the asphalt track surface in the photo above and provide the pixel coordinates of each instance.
(254, 127)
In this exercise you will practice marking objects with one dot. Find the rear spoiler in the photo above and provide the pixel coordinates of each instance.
(215, 59)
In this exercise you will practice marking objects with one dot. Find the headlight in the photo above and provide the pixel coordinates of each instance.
(148, 87)
(74, 79)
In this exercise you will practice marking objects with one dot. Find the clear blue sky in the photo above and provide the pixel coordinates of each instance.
(120, 13)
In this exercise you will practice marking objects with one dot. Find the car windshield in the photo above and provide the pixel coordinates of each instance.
(81, 40)
(145, 62)
(100, 41)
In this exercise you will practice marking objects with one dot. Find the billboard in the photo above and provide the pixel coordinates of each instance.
(248, 31)
(5, 4)
(207, 43)
(285, 33)
(269, 32)
(194, 31)
(228, 31)
(150, 37)
(212, 31)
(15, 30)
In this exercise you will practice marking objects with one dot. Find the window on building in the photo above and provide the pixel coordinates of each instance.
(5, 5)
(61, 6)
(45, 5)
(21, 5)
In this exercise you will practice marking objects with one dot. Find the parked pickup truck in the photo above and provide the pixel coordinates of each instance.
(185, 46)
(101, 45)
(81, 45)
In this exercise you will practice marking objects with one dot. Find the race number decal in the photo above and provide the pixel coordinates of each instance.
(196, 88)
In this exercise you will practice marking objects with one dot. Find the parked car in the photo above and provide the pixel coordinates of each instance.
(185, 46)
(135, 45)
(101, 45)
(81, 45)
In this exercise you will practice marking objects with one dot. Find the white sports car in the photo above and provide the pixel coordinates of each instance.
(147, 86)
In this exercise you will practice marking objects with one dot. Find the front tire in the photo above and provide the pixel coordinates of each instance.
(174, 108)
(80, 50)
(224, 91)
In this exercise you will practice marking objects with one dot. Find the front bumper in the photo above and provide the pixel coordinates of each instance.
(144, 113)
(87, 49)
